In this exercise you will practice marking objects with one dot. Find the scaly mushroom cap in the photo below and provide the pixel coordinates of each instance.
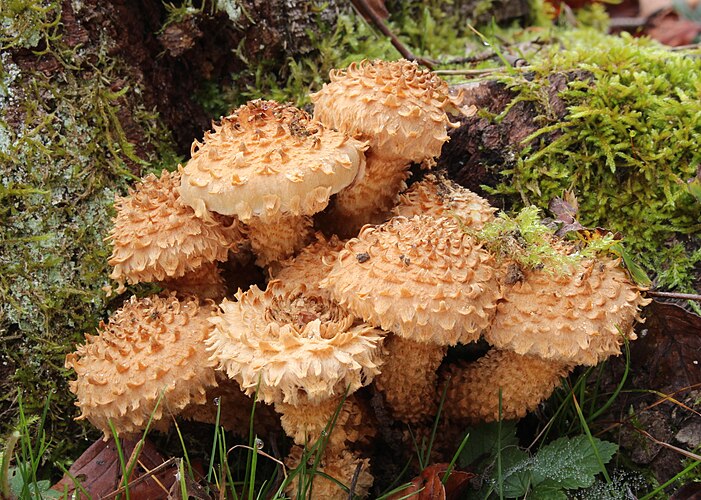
(438, 196)
(150, 346)
(340, 466)
(473, 388)
(311, 265)
(300, 346)
(397, 106)
(205, 282)
(422, 278)
(269, 159)
(580, 318)
(156, 236)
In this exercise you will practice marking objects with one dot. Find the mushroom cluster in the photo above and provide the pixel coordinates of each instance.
(377, 311)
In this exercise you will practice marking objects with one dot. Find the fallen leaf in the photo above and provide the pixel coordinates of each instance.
(99, 473)
(429, 486)
(669, 350)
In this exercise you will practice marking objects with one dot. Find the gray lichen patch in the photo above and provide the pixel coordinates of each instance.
(64, 154)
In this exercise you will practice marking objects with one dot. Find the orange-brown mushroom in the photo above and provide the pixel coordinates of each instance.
(579, 317)
(157, 237)
(294, 348)
(438, 196)
(341, 466)
(148, 361)
(520, 383)
(428, 282)
(272, 166)
(400, 109)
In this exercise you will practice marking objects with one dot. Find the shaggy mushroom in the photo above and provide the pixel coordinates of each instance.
(428, 282)
(150, 347)
(580, 317)
(474, 388)
(294, 349)
(438, 196)
(157, 237)
(272, 166)
(400, 109)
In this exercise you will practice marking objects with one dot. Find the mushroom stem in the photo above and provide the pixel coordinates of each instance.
(369, 199)
(306, 422)
(408, 379)
(279, 237)
(520, 382)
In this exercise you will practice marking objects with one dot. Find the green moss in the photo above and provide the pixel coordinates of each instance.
(626, 148)
(525, 239)
(63, 156)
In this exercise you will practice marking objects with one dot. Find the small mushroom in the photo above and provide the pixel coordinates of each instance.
(438, 196)
(294, 348)
(151, 350)
(272, 166)
(580, 317)
(341, 466)
(400, 109)
(428, 282)
(157, 237)
(522, 382)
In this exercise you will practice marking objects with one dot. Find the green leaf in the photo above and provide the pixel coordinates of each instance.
(547, 492)
(482, 444)
(571, 463)
(516, 467)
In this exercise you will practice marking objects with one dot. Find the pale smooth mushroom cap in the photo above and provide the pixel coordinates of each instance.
(151, 346)
(269, 159)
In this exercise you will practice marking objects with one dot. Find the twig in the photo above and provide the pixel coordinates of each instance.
(369, 13)
(674, 295)
(141, 479)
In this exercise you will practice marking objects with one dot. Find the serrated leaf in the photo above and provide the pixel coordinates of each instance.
(516, 467)
(545, 492)
(482, 444)
(571, 463)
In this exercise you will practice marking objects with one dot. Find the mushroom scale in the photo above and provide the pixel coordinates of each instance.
(422, 278)
(438, 196)
(151, 346)
(397, 106)
(205, 282)
(474, 388)
(157, 237)
(312, 265)
(579, 318)
(293, 348)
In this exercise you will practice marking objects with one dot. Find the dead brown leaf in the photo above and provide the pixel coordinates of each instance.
(429, 486)
(99, 473)
(669, 351)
